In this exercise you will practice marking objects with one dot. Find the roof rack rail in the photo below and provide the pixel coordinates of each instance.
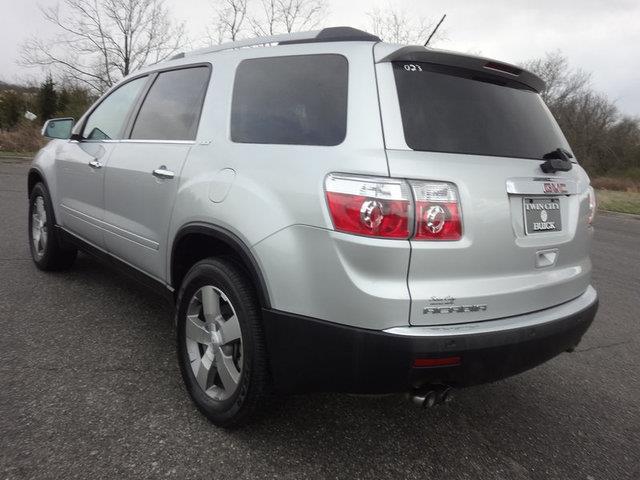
(331, 34)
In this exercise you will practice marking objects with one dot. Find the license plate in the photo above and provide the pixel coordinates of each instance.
(542, 215)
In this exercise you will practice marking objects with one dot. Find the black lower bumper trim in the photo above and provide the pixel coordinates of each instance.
(307, 354)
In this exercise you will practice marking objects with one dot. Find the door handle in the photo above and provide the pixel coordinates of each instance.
(95, 164)
(162, 172)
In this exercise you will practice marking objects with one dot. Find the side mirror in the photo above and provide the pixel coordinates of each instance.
(58, 128)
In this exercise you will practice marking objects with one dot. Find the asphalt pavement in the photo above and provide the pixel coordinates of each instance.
(90, 388)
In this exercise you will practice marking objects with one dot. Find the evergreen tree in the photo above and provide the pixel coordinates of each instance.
(47, 101)
(73, 101)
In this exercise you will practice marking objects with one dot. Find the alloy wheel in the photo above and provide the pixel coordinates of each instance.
(214, 342)
(39, 227)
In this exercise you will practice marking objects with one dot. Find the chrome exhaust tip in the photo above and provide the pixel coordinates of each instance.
(432, 396)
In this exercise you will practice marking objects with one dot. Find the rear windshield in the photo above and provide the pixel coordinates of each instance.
(448, 109)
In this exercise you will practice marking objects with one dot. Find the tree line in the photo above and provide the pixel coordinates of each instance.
(605, 141)
(101, 41)
(47, 100)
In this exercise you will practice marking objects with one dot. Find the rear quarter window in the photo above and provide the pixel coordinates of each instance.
(293, 100)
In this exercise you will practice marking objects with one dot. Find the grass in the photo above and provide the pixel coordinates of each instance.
(623, 202)
(622, 184)
(25, 138)
(17, 154)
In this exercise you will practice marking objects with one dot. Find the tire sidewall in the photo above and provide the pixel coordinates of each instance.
(213, 273)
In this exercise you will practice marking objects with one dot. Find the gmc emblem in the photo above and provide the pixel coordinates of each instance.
(554, 187)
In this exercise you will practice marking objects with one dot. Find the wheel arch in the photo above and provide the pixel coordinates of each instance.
(196, 241)
(35, 176)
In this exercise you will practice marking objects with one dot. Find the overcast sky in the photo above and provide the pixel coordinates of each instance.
(599, 36)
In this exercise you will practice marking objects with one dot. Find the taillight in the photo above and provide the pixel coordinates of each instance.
(377, 207)
(593, 205)
(438, 215)
(382, 207)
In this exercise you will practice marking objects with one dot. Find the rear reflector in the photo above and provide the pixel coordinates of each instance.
(437, 362)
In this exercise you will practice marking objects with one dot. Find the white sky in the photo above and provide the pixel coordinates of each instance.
(599, 36)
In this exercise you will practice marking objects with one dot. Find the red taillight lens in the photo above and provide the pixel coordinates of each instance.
(377, 207)
(438, 215)
(383, 207)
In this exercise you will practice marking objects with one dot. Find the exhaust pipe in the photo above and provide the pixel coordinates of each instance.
(432, 396)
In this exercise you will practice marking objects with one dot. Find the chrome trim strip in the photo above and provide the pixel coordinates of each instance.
(535, 186)
(176, 142)
(132, 140)
(549, 315)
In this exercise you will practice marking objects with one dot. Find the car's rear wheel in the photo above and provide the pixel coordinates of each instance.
(47, 251)
(220, 342)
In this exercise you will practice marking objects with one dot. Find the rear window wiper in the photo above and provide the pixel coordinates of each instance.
(558, 160)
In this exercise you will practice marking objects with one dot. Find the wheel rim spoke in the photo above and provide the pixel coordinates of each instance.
(210, 304)
(40, 207)
(204, 369)
(39, 226)
(230, 330)
(36, 236)
(195, 330)
(229, 374)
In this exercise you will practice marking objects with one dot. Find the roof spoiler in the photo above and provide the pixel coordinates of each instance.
(452, 59)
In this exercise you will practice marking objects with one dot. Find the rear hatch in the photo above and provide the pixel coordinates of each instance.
(482, 126)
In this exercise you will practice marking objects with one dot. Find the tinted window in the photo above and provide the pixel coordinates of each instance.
(107, 120)
(291, 100)
(171, 109)
(446, 109)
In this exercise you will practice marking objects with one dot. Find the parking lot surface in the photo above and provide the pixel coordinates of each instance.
(90, 388)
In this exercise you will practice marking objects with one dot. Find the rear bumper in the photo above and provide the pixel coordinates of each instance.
(307, 354)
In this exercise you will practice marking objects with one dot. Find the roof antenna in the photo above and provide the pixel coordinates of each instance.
(435, 29)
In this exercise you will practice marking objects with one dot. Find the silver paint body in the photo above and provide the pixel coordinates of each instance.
(272, 198)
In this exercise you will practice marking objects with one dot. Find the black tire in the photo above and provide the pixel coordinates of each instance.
(53, 254)
(253, 387)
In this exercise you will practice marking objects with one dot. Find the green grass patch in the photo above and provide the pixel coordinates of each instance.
(623, 202)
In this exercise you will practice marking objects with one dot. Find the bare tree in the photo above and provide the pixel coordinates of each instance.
(562, 82)
(602, 139)
(397, 26)
(265, 22)
(100, 41)
(286, 16)
(230, 16)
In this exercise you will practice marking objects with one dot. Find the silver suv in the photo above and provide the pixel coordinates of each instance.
(330, 213)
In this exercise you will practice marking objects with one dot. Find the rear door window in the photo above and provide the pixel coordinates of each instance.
(448, 109)
(296, 100)
(171, 109)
